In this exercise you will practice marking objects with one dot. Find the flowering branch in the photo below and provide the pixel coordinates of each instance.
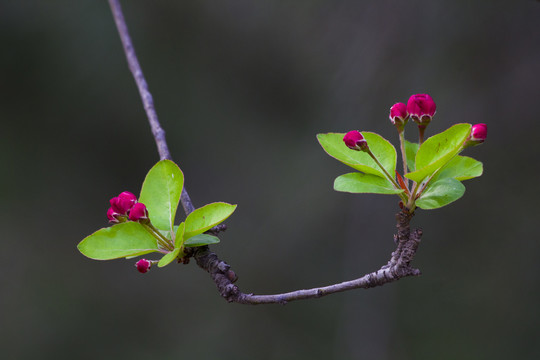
(397, 267)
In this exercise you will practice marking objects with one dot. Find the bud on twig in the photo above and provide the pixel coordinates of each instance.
(123, 202)
(143, 265)
(478, 135)
(421, 109)
(138, 212)
(355, 141)
(113, 216)
(399, 115)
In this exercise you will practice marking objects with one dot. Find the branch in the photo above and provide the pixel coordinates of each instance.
(398, 267)
(146, 96)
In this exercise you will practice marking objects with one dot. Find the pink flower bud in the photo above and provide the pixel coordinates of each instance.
(399, 115)
(355, 141)
(143, 265)
(113, 215)
(138, 212)
(478, 135)
(123, 202)
(421, 108)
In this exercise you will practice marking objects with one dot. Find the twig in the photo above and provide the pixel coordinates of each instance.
(398, 267)
(146, 96)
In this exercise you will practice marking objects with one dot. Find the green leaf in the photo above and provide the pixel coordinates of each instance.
(385, 152)
(364, 183)
(161, 193)
(178, 242)
(439, 149)
(127, 239)
(461, 168)
(207, 217)
(168, 258)
(200, 240)
(410, 152)
(179, 238)
(440, 193)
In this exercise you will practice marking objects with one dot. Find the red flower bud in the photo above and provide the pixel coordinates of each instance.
(421, 108)
(399, 115)
(113, 215)
(123, 202)
(138, 212)
(478, 135)
(143, 265)
(354, 140)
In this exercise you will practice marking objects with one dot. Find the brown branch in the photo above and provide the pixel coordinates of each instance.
(398, 267)
(146, 96)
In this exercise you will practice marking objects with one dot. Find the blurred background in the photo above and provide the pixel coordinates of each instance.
(242, 88)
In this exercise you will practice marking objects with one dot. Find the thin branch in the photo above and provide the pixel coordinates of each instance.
(398, 267)
(146, 96)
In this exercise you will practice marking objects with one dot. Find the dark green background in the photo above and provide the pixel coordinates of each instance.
(242, 88)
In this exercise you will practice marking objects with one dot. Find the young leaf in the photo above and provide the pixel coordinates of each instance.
(207, 217)
(178, 242)
(161, 193)
(439, 149)
(200, 240)
(440, 193)
(168, 258)
(461, 168)
(127, 239)
(385, 152)
(410, 152)
(179, 238)
(364, 183)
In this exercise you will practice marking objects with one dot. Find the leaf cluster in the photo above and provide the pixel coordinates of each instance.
(435, 167)
(160, 193)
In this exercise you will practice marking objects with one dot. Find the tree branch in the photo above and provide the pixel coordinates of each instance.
(398, 267)
(146, 96)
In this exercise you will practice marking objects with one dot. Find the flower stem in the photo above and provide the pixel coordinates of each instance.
(392, 180)
(421, 130)
(162, 240)
(403, 156)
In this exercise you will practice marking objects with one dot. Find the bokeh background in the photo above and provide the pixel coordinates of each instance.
(242, 88)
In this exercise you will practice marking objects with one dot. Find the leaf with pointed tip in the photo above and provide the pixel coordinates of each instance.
(440, 193)
(410, 152)
(364, 183)
(438, 150)
(461, 168)
(127, 239)
(206, 217)
(161, 192)
(200, 240)
(168, 258)
(385, 152)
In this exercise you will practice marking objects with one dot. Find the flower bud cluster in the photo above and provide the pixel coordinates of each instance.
(420, 108)
(125, 206)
